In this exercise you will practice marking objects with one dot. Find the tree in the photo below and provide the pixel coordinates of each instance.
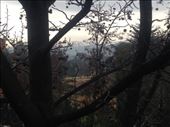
(129, 113)
(37, 110)
(39, 56)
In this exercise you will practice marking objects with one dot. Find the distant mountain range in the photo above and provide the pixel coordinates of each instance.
(79, 47)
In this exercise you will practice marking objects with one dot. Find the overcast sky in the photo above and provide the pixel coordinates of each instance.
(14, 9)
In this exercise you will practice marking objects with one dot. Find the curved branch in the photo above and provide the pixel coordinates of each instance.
(159, 62)
(63, 13)
(68, 26)
(82, 86)
(25, 109)
(148, 97)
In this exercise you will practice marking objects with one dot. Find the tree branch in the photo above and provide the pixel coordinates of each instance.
(68, 26)
(159, 62)
(92, 80)
(26, 111)
(148, 98)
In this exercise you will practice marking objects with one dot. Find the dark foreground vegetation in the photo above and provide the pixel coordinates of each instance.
(110, 84)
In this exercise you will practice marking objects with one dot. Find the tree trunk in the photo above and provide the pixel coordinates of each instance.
(22, 105)
(133, 93)
(40, 65)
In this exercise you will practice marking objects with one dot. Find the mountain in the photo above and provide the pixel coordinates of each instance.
(78, 47)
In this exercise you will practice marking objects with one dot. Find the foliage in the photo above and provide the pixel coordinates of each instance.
(46, 85)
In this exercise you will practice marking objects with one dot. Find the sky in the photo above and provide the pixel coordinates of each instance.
(15, 9)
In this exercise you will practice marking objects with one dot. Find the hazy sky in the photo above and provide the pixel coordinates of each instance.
(14, 9)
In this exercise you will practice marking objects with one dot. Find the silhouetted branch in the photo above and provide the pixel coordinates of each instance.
(63, 13)
(68, 26)
(16, 96)
(157, 63)
(82, 86)
(148, 97)
(158, 20)
(55, 27)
